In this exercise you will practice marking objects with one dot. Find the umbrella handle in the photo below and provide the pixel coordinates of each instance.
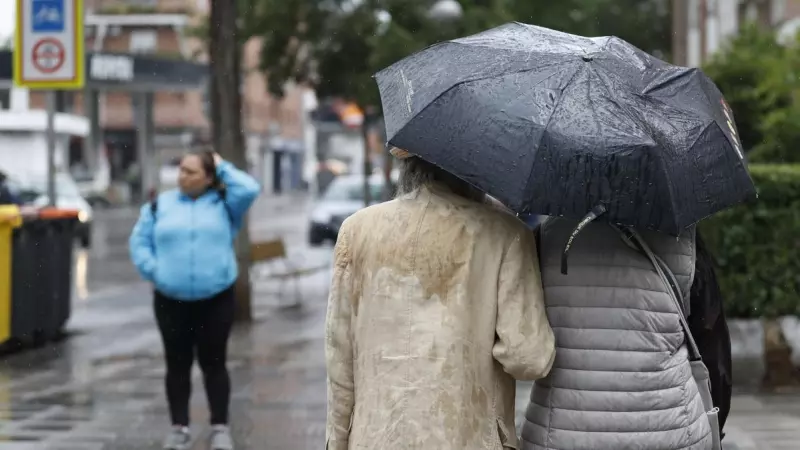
(596, 212)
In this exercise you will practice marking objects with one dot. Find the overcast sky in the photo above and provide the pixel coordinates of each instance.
(7, 17)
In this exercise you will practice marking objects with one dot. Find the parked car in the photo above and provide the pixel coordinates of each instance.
(33, 190)
(343, 198)
(92, 188)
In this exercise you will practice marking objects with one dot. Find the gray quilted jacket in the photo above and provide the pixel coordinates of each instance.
(621, 378)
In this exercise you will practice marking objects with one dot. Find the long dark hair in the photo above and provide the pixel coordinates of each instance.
(209, 167)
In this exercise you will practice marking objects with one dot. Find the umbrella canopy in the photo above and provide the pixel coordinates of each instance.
(556, 124)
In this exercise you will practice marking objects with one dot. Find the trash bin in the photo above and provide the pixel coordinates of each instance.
(26, 281)
(9, 220)
(42, 275)
(57, 259)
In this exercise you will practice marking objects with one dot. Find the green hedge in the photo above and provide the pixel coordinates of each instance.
(757, 246)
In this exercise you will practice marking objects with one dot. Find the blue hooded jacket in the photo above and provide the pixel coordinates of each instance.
(186, 250)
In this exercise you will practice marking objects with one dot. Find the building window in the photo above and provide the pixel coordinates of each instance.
(143, 41)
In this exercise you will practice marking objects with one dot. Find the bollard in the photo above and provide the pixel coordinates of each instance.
(9, 220)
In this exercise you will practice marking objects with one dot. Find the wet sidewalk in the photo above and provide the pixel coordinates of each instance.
(102, 388)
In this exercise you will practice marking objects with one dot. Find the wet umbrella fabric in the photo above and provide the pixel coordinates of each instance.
(556, 124)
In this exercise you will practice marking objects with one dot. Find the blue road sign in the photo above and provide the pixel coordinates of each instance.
(47, 16)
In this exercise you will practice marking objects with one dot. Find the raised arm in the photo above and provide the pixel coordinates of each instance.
(142, 245)
(241, 189)
(525, 345)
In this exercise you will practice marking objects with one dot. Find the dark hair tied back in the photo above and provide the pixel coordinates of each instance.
(210, 167)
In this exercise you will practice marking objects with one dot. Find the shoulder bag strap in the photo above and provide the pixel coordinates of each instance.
(699, 370)
(669, 279)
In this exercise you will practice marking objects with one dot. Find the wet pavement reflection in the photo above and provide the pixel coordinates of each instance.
(102, 388)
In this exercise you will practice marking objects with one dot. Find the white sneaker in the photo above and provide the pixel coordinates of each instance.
(178, 439)
(221, 438)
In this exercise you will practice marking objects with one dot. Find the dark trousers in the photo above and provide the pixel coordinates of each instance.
(201, 328)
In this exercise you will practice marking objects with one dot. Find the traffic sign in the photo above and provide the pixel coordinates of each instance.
(47, 16)
(49, 47)
(48, 55)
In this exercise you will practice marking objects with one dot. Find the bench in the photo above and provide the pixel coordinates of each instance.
(275, 251)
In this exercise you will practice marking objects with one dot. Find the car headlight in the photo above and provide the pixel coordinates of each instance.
(84, 216)
(320, 217)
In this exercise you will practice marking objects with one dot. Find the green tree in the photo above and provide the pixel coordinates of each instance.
(647, 24)
(759, 79)
(339, 44)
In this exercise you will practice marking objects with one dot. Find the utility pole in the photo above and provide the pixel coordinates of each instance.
(226, 122)
(51, 149)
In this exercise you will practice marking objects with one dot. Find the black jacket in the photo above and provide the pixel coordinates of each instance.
(710, 329)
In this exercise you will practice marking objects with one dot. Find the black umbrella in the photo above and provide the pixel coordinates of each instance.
(561, 125)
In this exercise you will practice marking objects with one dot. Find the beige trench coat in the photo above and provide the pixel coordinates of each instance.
(435, 307)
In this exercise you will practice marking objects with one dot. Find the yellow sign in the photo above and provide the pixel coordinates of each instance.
(48, 44)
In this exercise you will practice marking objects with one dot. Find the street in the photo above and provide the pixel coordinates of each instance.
(101, 388)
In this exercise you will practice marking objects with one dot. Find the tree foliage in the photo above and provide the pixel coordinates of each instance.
(759, 79)
(339, 44)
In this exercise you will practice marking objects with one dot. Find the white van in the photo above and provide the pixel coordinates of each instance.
(23, 158)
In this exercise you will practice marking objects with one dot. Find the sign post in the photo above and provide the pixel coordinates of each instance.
(49, 55)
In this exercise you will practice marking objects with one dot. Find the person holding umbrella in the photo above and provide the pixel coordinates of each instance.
(435, 309)
(624, 153)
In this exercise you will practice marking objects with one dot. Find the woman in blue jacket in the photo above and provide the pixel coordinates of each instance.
(183, 244)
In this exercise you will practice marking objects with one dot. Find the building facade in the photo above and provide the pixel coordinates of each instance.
(701, 27)
(163, 29)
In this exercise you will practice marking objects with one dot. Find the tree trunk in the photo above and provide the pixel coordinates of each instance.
(226, 115)
(367, 162)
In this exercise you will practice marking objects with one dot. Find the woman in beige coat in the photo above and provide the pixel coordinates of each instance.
(435, 308)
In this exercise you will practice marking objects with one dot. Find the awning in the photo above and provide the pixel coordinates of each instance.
(127, 72)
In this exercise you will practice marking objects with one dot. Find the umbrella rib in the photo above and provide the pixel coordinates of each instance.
(654, 140)
(544, 130)
(613, 100)
(471, 80)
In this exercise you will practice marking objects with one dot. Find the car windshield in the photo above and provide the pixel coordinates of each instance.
(351, 189)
